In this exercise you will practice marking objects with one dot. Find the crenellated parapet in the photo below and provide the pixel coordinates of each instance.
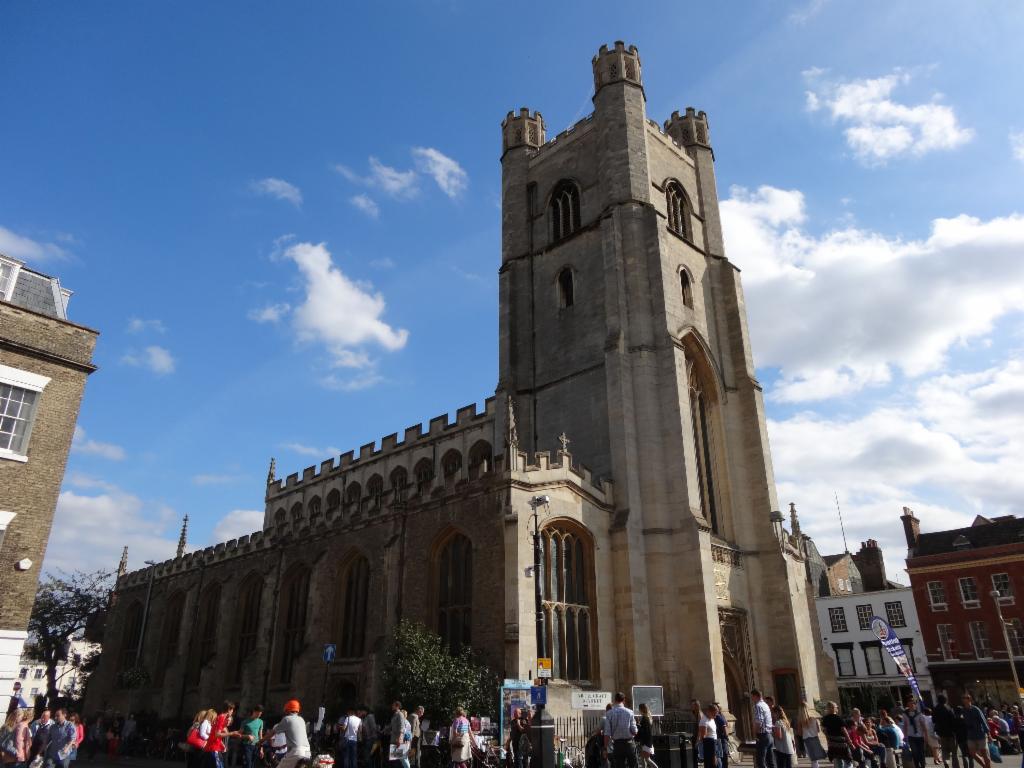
(615, 65)
(523, 130)
(689, 129)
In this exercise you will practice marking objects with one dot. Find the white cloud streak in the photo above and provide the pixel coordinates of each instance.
(446, 172)
(401, 185)
(28, 250)
(82, 445)
(1017, 145)
(279, 189)
(139, 325)
(310, 450)
(152, 358)
(878, 128)
(271, 313)
(365, 203)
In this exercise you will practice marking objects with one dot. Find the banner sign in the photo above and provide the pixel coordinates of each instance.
(887, 637)
(591, 699)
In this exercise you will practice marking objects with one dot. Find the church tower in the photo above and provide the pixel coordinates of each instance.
(622, 325)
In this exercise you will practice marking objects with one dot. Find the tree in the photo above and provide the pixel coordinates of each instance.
(420, 671)
(63, 605)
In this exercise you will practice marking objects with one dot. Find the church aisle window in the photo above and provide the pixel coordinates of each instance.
(294, 612)
(678, 209)
(353, 628)
(455, 593)
(567, 582)
(565, 210)
(130, 637)
(248, 622)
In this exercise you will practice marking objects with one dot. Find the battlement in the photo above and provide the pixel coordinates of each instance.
(543, 470)
(689, 129)
(522, 130)
(579, 128)
(620, 64)
(438, 427)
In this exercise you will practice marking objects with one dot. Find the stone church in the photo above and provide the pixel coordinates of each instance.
(626, 396)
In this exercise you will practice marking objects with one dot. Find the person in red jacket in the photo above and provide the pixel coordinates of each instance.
(215, 745)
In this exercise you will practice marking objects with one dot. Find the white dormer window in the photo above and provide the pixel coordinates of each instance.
(9, 269)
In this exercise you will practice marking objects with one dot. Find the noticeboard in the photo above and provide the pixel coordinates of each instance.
(543, 668)
(651, 695)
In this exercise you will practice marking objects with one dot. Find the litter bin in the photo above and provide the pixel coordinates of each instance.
(685, 749)
(667, 745)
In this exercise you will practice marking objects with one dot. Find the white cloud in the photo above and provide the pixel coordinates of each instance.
(382, 263)
(446, 172)
(807, 11)
(365, 204)
(338, 312)
(278, 189)
(879, 128)
(237, 522)
(839, 312)
(89, 529)
(401, 185)
(310, 450)
(363, 380)
(214, 479)
(271, 313)
(83, 445)
(1017, 145)
(138, 325)
(154, 358)
(28, 250)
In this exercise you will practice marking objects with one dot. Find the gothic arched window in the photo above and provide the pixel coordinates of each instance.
(566, 288)
(353, 626)
(424, 476)
(171, 634)
(292, 620)
(451, 466)
(678, 209)
(296, 513)
(455, 592)
(564, 210)
(353, 497)
(247, 622)
(702, 418)
(209, 621)
(480, 459)
(314, 510)
(686, 287)
(333, 502)
(567, 588)
(281, 517)
(374, 491)
(399, 483)
(131, 635)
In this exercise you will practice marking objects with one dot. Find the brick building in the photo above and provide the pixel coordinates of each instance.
(621, 326)
(953, 574)
(44, 362)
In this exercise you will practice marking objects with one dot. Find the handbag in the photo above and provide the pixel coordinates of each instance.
(194, 739)
(458, 739)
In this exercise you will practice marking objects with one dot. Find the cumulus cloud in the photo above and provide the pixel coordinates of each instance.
(401, 185)
(214, 479)
(237, 522)
(271, 313)
(343, 315)
(153, 358)
(365, 204)
(279, 189)
(1017, 145)
(839, 312)
(446, 172)
(310, 450)
(28, 250)
(878, 128)
(82, 445)
(139, 325)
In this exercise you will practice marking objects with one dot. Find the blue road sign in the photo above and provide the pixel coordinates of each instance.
(539, 695)
(330, 649)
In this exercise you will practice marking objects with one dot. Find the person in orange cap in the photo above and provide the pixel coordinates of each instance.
(293, 727)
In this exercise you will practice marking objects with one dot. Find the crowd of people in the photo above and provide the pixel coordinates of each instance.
(48, 741)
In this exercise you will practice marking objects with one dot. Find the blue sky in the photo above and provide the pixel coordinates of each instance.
(214, 181)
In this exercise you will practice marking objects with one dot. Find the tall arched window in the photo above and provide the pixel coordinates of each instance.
(374, 491)
(247, 622)
(678, 209)
(455, 592)
(702, 418)
(451, 466)
(314, 510)
(566, 288)
(686, 287)
(353, 498)
(292, 620)
(564, 210)
(480, 459)
(424, 476)
(333, 502)
(281, 517)
(353, 622)
(296, 513)
(170, 635)
(567, 588)
(399, 484)
(131, 635)
(209, 621)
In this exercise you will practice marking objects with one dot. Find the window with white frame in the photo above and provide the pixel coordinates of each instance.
(894, 613)
(39, 673)
(1001, 584)
(837, 618)
(8, 272)
(937, 595)
(979, 636)
(844, 661)
(864, 614)
(19, 397)
(946, 641)
(969, 592)
(873, 659)
(1016, 634)
(23, 674)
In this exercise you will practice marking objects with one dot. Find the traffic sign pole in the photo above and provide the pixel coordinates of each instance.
(329, 651)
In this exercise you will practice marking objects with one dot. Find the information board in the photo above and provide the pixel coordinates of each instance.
(544, 668)
(651, 695)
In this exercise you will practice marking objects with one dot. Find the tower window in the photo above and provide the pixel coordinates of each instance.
(566, 289)
(565, 210)
(678, 209)
(686, 288)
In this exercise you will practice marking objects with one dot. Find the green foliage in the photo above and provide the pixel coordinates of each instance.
(133, 677)
(420, 671)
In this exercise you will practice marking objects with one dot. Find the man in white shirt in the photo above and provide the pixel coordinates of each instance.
(349, 747)
(763, 731)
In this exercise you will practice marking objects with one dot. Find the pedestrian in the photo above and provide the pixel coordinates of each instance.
(414, 748)
(707, 731)
(621, 732)
(519, 738)
(944, 722)
(837, 737)
(251, 736)
(405, 743)
(215, 746)
(15, 739)
(369, 736)
(808, 727)
(915, 730)
(722, 731)
(293, 728)
(877, 751)
(348, 739)
(695, 748)
(460, 740)
(60, 746)
(40, 730)
(79, 732)
(645, 737)
(763, 731)
(977, 732)
(395, 728)
(891, 738)
(782, 734)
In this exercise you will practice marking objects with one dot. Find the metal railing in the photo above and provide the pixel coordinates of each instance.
(578, 728)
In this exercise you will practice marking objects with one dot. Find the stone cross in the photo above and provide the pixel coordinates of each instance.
(511, 433)
(564, 442)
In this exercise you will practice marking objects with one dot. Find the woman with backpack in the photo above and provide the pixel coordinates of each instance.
(15, 740)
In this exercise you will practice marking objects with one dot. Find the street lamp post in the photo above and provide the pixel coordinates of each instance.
(542, 729)
(145, 613)
(1006, 640)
